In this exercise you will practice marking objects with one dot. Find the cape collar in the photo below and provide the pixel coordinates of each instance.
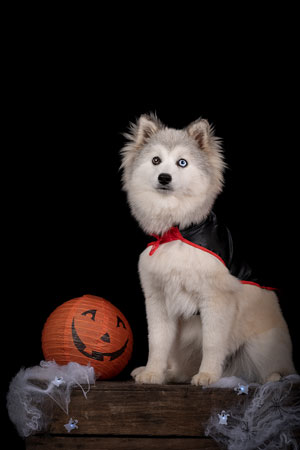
(171, 235)
(174, 233)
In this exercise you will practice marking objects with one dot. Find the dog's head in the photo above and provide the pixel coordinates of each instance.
(171, 177)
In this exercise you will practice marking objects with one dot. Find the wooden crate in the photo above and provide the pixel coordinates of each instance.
(124, 415)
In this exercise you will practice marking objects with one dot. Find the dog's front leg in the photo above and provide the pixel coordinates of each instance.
(161, 334)
(217, 315)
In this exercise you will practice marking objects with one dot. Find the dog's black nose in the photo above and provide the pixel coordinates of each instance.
(164, 178)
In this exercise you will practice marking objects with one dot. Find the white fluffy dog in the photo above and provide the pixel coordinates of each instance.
(206, 318)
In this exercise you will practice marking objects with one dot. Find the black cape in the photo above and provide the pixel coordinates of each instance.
(214, 237)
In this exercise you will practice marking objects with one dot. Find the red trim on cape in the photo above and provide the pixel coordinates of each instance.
(173, 234)
(258, 285)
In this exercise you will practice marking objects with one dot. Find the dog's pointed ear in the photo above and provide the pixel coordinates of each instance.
(137, 136)
(201, 131)
(146, 126)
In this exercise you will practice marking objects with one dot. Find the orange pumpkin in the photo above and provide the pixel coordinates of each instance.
(88, 330)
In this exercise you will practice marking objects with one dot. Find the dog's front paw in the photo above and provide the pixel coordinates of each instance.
(142, 375)
(204, 379)
(137, 370)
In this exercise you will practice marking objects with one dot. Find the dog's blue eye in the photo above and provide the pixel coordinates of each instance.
(182, 163)
(156, 160)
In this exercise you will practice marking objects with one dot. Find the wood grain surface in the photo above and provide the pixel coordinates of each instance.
(125, 415)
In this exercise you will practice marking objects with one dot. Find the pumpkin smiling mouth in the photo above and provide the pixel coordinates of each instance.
(99, 356)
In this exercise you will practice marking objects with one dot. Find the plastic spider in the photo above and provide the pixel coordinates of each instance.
(276, 403)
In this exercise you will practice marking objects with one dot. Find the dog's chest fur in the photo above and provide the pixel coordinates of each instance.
(181, 275)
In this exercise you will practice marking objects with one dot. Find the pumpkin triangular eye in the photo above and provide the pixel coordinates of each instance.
(120, 321)
(105, 338)
(90, 311)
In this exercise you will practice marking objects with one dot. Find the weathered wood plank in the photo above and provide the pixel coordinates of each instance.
(125, 415)
(95, 443)
(152, 410)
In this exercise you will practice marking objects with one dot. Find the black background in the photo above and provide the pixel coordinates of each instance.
(70, 93)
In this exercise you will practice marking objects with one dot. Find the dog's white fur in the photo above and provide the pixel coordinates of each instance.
(240, 330)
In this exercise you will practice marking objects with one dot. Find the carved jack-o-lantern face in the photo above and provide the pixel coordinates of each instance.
(89, 330)
(100, 353)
